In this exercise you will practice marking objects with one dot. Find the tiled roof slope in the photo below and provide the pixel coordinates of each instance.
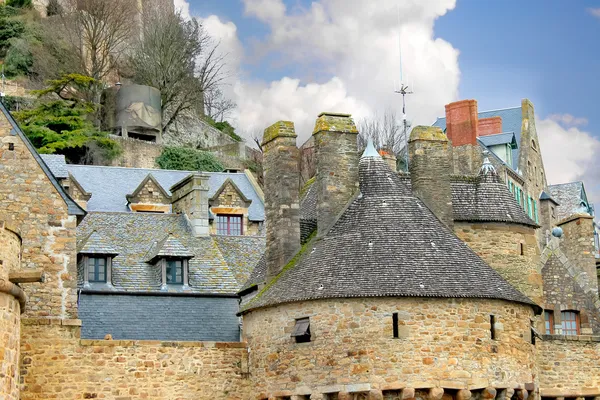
(133, 235)
(168, 247)
(57, 164)
(72, 207)
(511, 122)
(386, 243)
(242, 253)
(258, 275)
(569, 196)
(110, 185)
(94, 243)
(500, 138)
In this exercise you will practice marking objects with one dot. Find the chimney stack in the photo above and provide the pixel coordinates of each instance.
(190, 197)
(490, 126)
(389, 157)
(336, 155)
(430, 169)
(282, 204)
(462, 129)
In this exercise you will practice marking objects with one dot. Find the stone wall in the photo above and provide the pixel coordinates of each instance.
(56, 364)
(137, 153)
(28, 200)
(501, 245)
(578, 246)
(10, 317)
(442, 343)
(568, 366)
(150, 193)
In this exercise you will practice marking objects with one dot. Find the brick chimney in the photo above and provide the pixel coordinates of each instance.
(389, 157)
(336, 156)
(490, 126)
(430, 156)
(190, 197)
(462, 129)
(281, 188)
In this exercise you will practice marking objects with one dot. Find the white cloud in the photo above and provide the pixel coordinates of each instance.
(183, 7)
(567, 120)
(594, 11)
(569, 155)
(351, 46)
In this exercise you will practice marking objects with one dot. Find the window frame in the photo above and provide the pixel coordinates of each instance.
(184, 272)
(576, 320)
(549, 322)
(300, 334)
(93, 268)
(228, 224)
(175, 266)
(85, 260)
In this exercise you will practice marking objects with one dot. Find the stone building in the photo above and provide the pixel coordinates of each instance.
(124, 283)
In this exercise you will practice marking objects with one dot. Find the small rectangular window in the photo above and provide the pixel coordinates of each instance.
(395, 324)
(521, 249)
(493, 327)
(174, 272)
(549, 321)
(301, 332)
(570, 322)
(96, 269)
(229, 225)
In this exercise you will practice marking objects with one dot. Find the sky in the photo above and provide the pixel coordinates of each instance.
(292, 59)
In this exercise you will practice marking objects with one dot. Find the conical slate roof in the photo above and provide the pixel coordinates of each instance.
(387, 243)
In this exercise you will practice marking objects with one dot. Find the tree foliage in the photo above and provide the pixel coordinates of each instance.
(18, 60)
(10, 28)
(19, 3)
(186, 159)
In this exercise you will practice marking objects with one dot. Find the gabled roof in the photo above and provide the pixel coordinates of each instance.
(94, 243)
(168, 247)
(571, 198)
(546, 196)
(86, 195)
(499, 138)
(140, 187)
(229, 181)
(72, 207)
(387, 243)
(511, 122)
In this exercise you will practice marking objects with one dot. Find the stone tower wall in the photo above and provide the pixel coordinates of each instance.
(336, 154)
(29, 200)
(442, 344)
(430, 168)
(282, 195)
(10, 316)
(499, 245)
(578, 246)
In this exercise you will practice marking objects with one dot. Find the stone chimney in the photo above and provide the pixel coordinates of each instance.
(190, 197)
(462, 129)
(489, 126)
(336, 155)
(282, 192)
(389, 157)
(430, 156)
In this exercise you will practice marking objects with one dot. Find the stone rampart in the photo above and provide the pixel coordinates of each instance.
(442, 343)
(57, 364)
(568, 366)
(137, 153)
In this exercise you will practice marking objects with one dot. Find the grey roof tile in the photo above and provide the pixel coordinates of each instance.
(94, 243)
(111, 185)
(499, 138)
(168, 247)
(386, 243)
(241, 253)
(57, 164)
(571, 199)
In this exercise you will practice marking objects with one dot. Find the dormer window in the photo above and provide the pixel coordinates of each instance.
(97, 269)
(229, 225)
(174, 272)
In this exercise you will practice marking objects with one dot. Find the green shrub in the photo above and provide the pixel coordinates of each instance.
(19, 3)
(186, 159)
(18, 59)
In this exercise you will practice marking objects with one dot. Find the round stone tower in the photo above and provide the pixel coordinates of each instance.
(12, 301)
(388, 304)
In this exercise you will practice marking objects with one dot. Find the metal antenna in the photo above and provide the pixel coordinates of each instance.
(403, 90)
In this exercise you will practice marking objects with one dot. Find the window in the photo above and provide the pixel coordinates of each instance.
(395, 324)
(521, 249)
(174, 272)
(96, 269)
(570, 322)
(493, 327)
(553, 212)
(301, 330)
(533, 146)
(535, 212)
(549, 320)
(229, 224)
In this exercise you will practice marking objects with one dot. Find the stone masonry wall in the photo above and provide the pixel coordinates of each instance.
(137, 153)
(28, 200)
(151, 194)
(10, 317)
(442, 343)
(56, 364)
(500, 245)
(568, 366)
(578, 246)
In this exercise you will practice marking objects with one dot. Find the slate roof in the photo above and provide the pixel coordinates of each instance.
(134, 234)
(110, 186)
(386, 243)
(546, 196)
(57, 164)
(570, 197)
(258, 275)
(500, 138)
(94, 243)
(168, 247)
(511, 122)
(72, 207)
(241, 253)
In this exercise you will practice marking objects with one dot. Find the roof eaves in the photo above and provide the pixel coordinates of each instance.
(72, 207)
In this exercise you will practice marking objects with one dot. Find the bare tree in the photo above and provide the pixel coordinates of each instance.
(179, 58)
(386, 131)
(216, 106)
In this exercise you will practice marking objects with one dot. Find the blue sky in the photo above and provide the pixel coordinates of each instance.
(300, 57)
